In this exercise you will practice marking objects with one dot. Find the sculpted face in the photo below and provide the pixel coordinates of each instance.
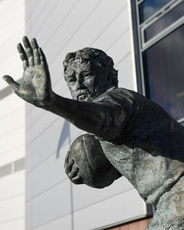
(85, 80)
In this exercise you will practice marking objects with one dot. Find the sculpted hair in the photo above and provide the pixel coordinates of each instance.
(100, 58)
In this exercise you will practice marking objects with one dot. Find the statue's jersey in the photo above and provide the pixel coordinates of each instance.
(142, 142)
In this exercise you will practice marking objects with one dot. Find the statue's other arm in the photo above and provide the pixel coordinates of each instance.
(36, 89)
(85, 163)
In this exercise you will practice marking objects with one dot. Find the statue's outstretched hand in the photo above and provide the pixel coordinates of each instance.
(36, 86)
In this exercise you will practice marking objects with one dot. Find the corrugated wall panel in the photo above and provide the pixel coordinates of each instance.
(12, 118)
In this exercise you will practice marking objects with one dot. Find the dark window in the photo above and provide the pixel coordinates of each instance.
(160, 59)
(163, 65)
(149, 7)
(164, 22)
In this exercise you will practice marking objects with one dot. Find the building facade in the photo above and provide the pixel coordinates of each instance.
(12, 119)
(144, 38)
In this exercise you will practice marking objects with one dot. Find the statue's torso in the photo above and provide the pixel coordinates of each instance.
(151, 176)
(149, 150)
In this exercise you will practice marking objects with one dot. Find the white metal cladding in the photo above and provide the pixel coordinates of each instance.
(12, 119)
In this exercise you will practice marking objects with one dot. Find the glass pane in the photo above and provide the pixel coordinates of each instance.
(150, 7)
(164, 73)
(164, 22)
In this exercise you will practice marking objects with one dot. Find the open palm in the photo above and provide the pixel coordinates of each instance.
(36, 86)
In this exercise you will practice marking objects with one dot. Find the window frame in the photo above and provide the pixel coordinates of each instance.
(158, 15)
(138, 33)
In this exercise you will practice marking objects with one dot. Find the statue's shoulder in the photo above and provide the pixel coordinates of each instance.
(119, 98)
(117, 94)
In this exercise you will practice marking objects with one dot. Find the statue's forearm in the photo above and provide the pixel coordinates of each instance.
(87, 116)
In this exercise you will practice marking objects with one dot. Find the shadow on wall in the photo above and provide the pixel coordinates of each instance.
(65, 134)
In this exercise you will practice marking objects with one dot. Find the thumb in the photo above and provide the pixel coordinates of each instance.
(11, 82)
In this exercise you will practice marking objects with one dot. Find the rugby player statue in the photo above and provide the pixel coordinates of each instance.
(127, 134)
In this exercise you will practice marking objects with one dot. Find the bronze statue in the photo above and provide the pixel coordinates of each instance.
(127, 133)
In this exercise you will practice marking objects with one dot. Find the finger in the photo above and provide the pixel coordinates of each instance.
(68, 167)
(73, 173)
(77, 180)
(29, 50)
(43, 61)
(67, 158)
(23, 55)
(11, 82)
(34, 43)
(36, 54)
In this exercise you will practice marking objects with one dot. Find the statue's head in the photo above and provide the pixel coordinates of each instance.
(89, 73)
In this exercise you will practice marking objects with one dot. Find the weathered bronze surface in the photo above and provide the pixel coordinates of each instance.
(128, 134)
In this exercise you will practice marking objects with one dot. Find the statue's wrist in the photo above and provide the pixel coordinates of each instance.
(47, 102)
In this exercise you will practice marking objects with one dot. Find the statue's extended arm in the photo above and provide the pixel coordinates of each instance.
(36, 89)
(87, 116)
